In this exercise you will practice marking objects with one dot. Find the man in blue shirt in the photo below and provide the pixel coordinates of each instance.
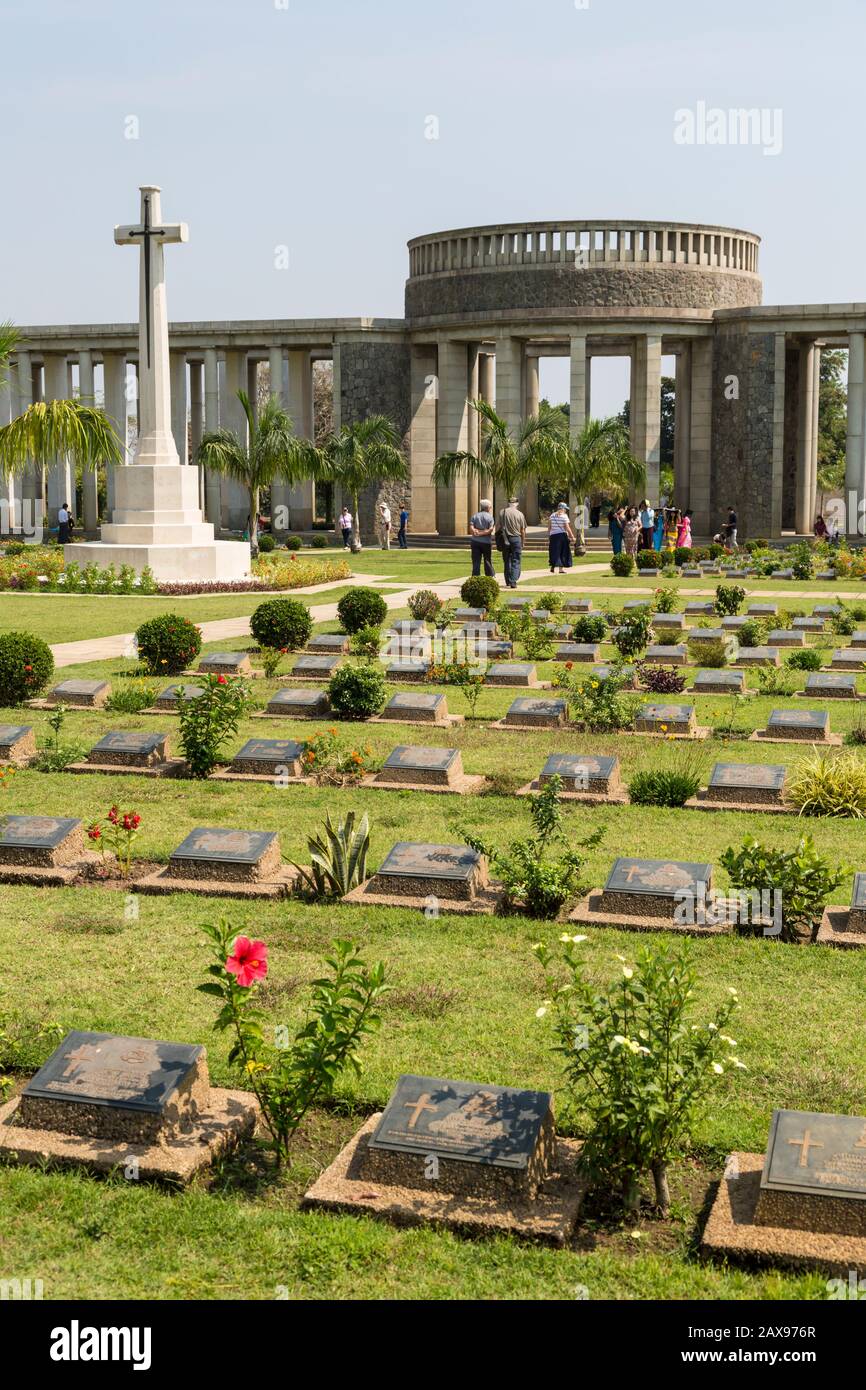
(481, 527)
(401, 533)
(647, 522)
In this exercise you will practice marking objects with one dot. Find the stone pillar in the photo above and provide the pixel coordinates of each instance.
(179, 421)
(487, 392)
(114, 395)
(578, 406)
(530, 407)
(508, 390)
(196, 423)
(213, 493)
(235, 498)
(646, 420)
(474, 425)
(302, 497)
(89, 476)
(422, 439)
(452, 433)
(855, 449)
(813, 452)
(778, 473)
(58, 488)
(700, 441)
(10, 518)
(682, 428)
(280, 491)
(24, 392)
(804, 520)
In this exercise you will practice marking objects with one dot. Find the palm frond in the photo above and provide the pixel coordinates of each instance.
(49, 430)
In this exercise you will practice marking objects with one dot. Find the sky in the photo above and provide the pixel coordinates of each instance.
(305, 124)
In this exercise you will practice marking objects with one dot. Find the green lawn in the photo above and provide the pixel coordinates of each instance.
(464, 1001)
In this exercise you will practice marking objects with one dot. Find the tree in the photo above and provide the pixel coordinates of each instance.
(598, 461)
(832, 424)
(361, 456)
(51, 429)
(272, 452)
(538, 448)
(667, 419)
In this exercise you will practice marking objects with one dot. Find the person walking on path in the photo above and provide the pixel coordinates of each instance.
(64, 524)
(647, 522)
(385, 525)
(614, 529)
(346, 527)
(401, 530)
(731, 529)
(631, 531)
(512, 528)
(560, 539)
(481, 527)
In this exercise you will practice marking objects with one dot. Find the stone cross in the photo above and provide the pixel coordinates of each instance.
(155, 440)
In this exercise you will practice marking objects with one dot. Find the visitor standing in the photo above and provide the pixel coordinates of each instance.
(672, 527)
(560, 538)
(684, 534)
(481, 527)
(631, 531)
(64, 524)
(385, 525)
(346, 523)
(614, 529)
(731, 529)
(512, 528)
(647, 522)
(401, 530)
(659, 528)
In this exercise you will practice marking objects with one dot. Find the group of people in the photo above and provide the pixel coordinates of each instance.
(507, 532)
(648, 528)
(826, 530)
(346, 523)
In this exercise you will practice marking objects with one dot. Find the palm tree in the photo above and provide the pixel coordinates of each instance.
(360, 456)
(273, 452)
(51, 429)
(599, 460)
(538, 447)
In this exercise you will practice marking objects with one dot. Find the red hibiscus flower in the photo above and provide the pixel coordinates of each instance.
(94, 833)
(221, 680)
(113, 815)
(249, 961)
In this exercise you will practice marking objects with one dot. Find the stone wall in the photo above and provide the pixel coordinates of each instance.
(375, 380)
(553, 287)
(742, 450)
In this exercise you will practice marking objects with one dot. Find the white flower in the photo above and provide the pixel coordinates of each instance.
(578, 939)
(620, 1040)
(712, 1028)
(645, 1051)
(735, 1062)
(622, 958)
(732, 1042)
(539, 1013)
(718, 1068)
(565, 936)
(634, 1047)
(627, 971)
(732, 991)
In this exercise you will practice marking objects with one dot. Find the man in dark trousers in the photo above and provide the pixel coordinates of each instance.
(481, 527)
(731, 529)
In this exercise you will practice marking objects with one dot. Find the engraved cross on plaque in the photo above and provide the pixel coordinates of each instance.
(805, 1144)
(417, 1106)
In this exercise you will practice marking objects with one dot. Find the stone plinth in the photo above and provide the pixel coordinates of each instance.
(296, 704)
(119, 752)
(419, 875)
(414, 707)
(79, 694)
(17, 744)
(223, 862)
(225, 664)
(803, 726)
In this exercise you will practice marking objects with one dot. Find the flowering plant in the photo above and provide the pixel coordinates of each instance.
(118, 835)
(635, 1063)
(287, 1077)
(208, 720)
(334, 764)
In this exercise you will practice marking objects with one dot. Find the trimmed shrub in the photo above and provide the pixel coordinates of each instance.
(361, 608)
(649, 559)
(480, 591)
(622, 565)
(634, 633)
(729, 599)
(319, 542)
(665, 600)
(294, 543)
(168, 644)
(26, 667)
(357, 692)
(589, 627)
(806, 660)
(424, 605)
(712, 655)
(267, 543)
(283, 623)
(752, 633)
(683, 555)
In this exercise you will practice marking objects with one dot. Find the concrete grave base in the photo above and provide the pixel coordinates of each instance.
(251, 675)
(172, 767)
(826, 740)
(448, 722)
(228, 775)
(552, 727)
(589, 913)
(700, 731)
(69, 704)
(581, 798)
(485, 902)
(549, 1219)
(50, 875)
(827, 694)
(463, 784)
(835, 930)
(162, 882)
(230, 1116)
(19, 753)
(701, 802)
(731, 1232)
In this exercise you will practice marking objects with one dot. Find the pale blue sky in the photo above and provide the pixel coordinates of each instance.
(304, 125)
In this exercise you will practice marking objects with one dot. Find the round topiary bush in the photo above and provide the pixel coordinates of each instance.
(294, 543)
(622, 564)
(282, 623)
(266, 544)
(424, 605)
(357, 692)
(480, 591)
(168, 644)
(590, 627)
(648, 559)
(361, 608)
(26, 667)
(319, 542)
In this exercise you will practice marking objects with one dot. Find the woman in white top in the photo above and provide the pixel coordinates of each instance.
(560, 538)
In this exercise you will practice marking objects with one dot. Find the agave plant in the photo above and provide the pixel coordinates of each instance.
(338, 858)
